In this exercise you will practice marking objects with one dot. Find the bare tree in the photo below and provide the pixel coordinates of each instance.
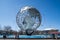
(7, 28)
(0, 27)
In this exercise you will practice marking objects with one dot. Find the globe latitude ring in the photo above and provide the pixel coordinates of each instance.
(28, 18)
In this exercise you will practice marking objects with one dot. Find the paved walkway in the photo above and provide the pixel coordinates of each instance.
(29, 39)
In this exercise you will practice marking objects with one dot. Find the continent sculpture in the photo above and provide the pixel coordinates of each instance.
(28, 19)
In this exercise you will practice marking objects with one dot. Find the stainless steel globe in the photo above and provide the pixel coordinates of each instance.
(28, 18)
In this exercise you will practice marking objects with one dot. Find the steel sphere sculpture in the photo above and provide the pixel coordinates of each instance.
(28, 19)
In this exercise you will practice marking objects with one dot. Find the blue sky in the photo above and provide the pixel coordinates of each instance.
(49, 9)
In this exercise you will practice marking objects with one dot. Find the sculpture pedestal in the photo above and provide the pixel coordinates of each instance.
(32, 36)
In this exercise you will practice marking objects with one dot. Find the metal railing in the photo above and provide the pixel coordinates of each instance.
(42, 36)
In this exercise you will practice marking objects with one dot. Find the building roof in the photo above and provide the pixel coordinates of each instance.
(50, 29)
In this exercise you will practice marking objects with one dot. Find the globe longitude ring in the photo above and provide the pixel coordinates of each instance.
(28, 19)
